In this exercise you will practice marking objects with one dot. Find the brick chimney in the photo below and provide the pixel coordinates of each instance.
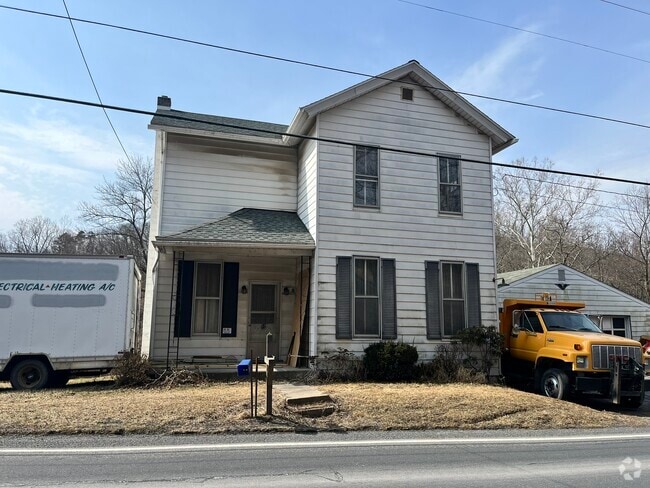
(164, 103)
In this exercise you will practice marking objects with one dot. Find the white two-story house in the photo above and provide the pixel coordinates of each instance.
(368, 218)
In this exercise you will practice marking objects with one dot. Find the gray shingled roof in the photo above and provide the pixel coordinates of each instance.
(211, 123)
(248, 226)
(520, 274)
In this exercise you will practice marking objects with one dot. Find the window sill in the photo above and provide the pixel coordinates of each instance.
(449, 214)
(368, 208)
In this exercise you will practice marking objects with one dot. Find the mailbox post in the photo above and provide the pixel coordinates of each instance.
(270, 364)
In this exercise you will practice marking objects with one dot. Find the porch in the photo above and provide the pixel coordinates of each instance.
(230, 289)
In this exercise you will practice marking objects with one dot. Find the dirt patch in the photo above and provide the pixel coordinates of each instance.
(224, 407)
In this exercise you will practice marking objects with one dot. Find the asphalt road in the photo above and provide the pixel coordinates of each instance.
(467, 459)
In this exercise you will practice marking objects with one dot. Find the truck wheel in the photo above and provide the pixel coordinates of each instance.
(29, 374)
(555, 384)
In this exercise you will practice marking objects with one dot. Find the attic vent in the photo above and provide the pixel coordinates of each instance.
(561, 275)
(407, 94)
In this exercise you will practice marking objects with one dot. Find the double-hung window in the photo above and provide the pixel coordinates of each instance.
(366, 297)
(450, 187)
(366, 176)
(207, 298)
(453, 299)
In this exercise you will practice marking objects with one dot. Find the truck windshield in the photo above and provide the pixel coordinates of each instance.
(568, 321)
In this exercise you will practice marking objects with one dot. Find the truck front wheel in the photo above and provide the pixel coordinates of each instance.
(29, 374)
(555, 384)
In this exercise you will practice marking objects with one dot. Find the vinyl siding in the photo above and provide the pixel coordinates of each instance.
(308, 213)
(207, 179)
(407, 227)
(599, 299)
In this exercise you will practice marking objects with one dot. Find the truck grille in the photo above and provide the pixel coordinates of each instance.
(601, 354)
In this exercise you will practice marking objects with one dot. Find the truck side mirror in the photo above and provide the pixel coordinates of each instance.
(515, 330)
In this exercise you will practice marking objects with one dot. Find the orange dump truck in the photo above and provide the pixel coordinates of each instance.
(563, 352)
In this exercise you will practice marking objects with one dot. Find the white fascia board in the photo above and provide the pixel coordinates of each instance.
(220, 135)
(230, 245)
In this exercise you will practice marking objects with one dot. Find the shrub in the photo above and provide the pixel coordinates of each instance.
(390, 361)
(445, 366)
(133, 370)
(339, 365)
(481, 346)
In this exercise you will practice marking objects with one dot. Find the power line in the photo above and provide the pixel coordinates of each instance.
(332, 68)
(626, 7)
(528, 31)
(593, 204)
(568, 185)
(310, 138)
(92, 80)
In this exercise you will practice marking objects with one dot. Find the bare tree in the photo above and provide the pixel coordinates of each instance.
(4, 243)
(633, 215)
(544, 216)
(34, 235)
(123, 207)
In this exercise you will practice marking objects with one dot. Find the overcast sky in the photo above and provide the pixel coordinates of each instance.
(52, 154)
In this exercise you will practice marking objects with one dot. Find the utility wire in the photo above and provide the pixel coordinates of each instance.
(592, 204)
(569, 185)
(396, 150)
(626, 7)
(92, 80)
(332, 68)
(528, 31)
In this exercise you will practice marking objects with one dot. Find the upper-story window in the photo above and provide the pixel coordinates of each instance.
(450, 188)
(366, 176)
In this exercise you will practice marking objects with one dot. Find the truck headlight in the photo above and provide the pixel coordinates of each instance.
(581, 362)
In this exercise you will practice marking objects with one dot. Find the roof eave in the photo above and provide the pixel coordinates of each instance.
(158, 243)
(219, 135)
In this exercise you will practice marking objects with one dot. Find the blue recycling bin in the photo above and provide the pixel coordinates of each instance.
(244, 367)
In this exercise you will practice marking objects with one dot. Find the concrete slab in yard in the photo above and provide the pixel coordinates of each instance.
(301, 394)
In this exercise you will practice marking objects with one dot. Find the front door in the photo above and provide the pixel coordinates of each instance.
(264, 319)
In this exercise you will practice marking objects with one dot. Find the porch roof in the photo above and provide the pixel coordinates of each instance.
(247, 227)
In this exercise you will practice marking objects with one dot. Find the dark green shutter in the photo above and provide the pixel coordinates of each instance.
(184, 294)
(388, 300)
(230, 299)
(432, 297)
(473, 286)
(344, 298)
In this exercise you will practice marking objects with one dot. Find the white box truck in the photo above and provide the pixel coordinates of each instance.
(64, 316)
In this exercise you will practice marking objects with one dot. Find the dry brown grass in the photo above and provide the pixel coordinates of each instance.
(224, 407)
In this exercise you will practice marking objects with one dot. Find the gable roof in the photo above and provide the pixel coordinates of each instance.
(500, 137)
(202, 124)
(247, 227)
(512, 276)
(523, 275)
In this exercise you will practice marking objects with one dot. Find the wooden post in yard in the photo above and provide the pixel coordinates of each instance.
(270, 364)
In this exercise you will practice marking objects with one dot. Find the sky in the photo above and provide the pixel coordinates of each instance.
(52, 154)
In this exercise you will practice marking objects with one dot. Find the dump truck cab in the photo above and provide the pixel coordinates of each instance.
(563, 351)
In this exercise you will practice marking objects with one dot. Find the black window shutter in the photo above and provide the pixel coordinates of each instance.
(388, 300)
(344, 298)
(432, 293)
(473, 295)
(230, 298)
(184, 294)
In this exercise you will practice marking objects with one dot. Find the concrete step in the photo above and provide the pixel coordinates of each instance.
(301, 394)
